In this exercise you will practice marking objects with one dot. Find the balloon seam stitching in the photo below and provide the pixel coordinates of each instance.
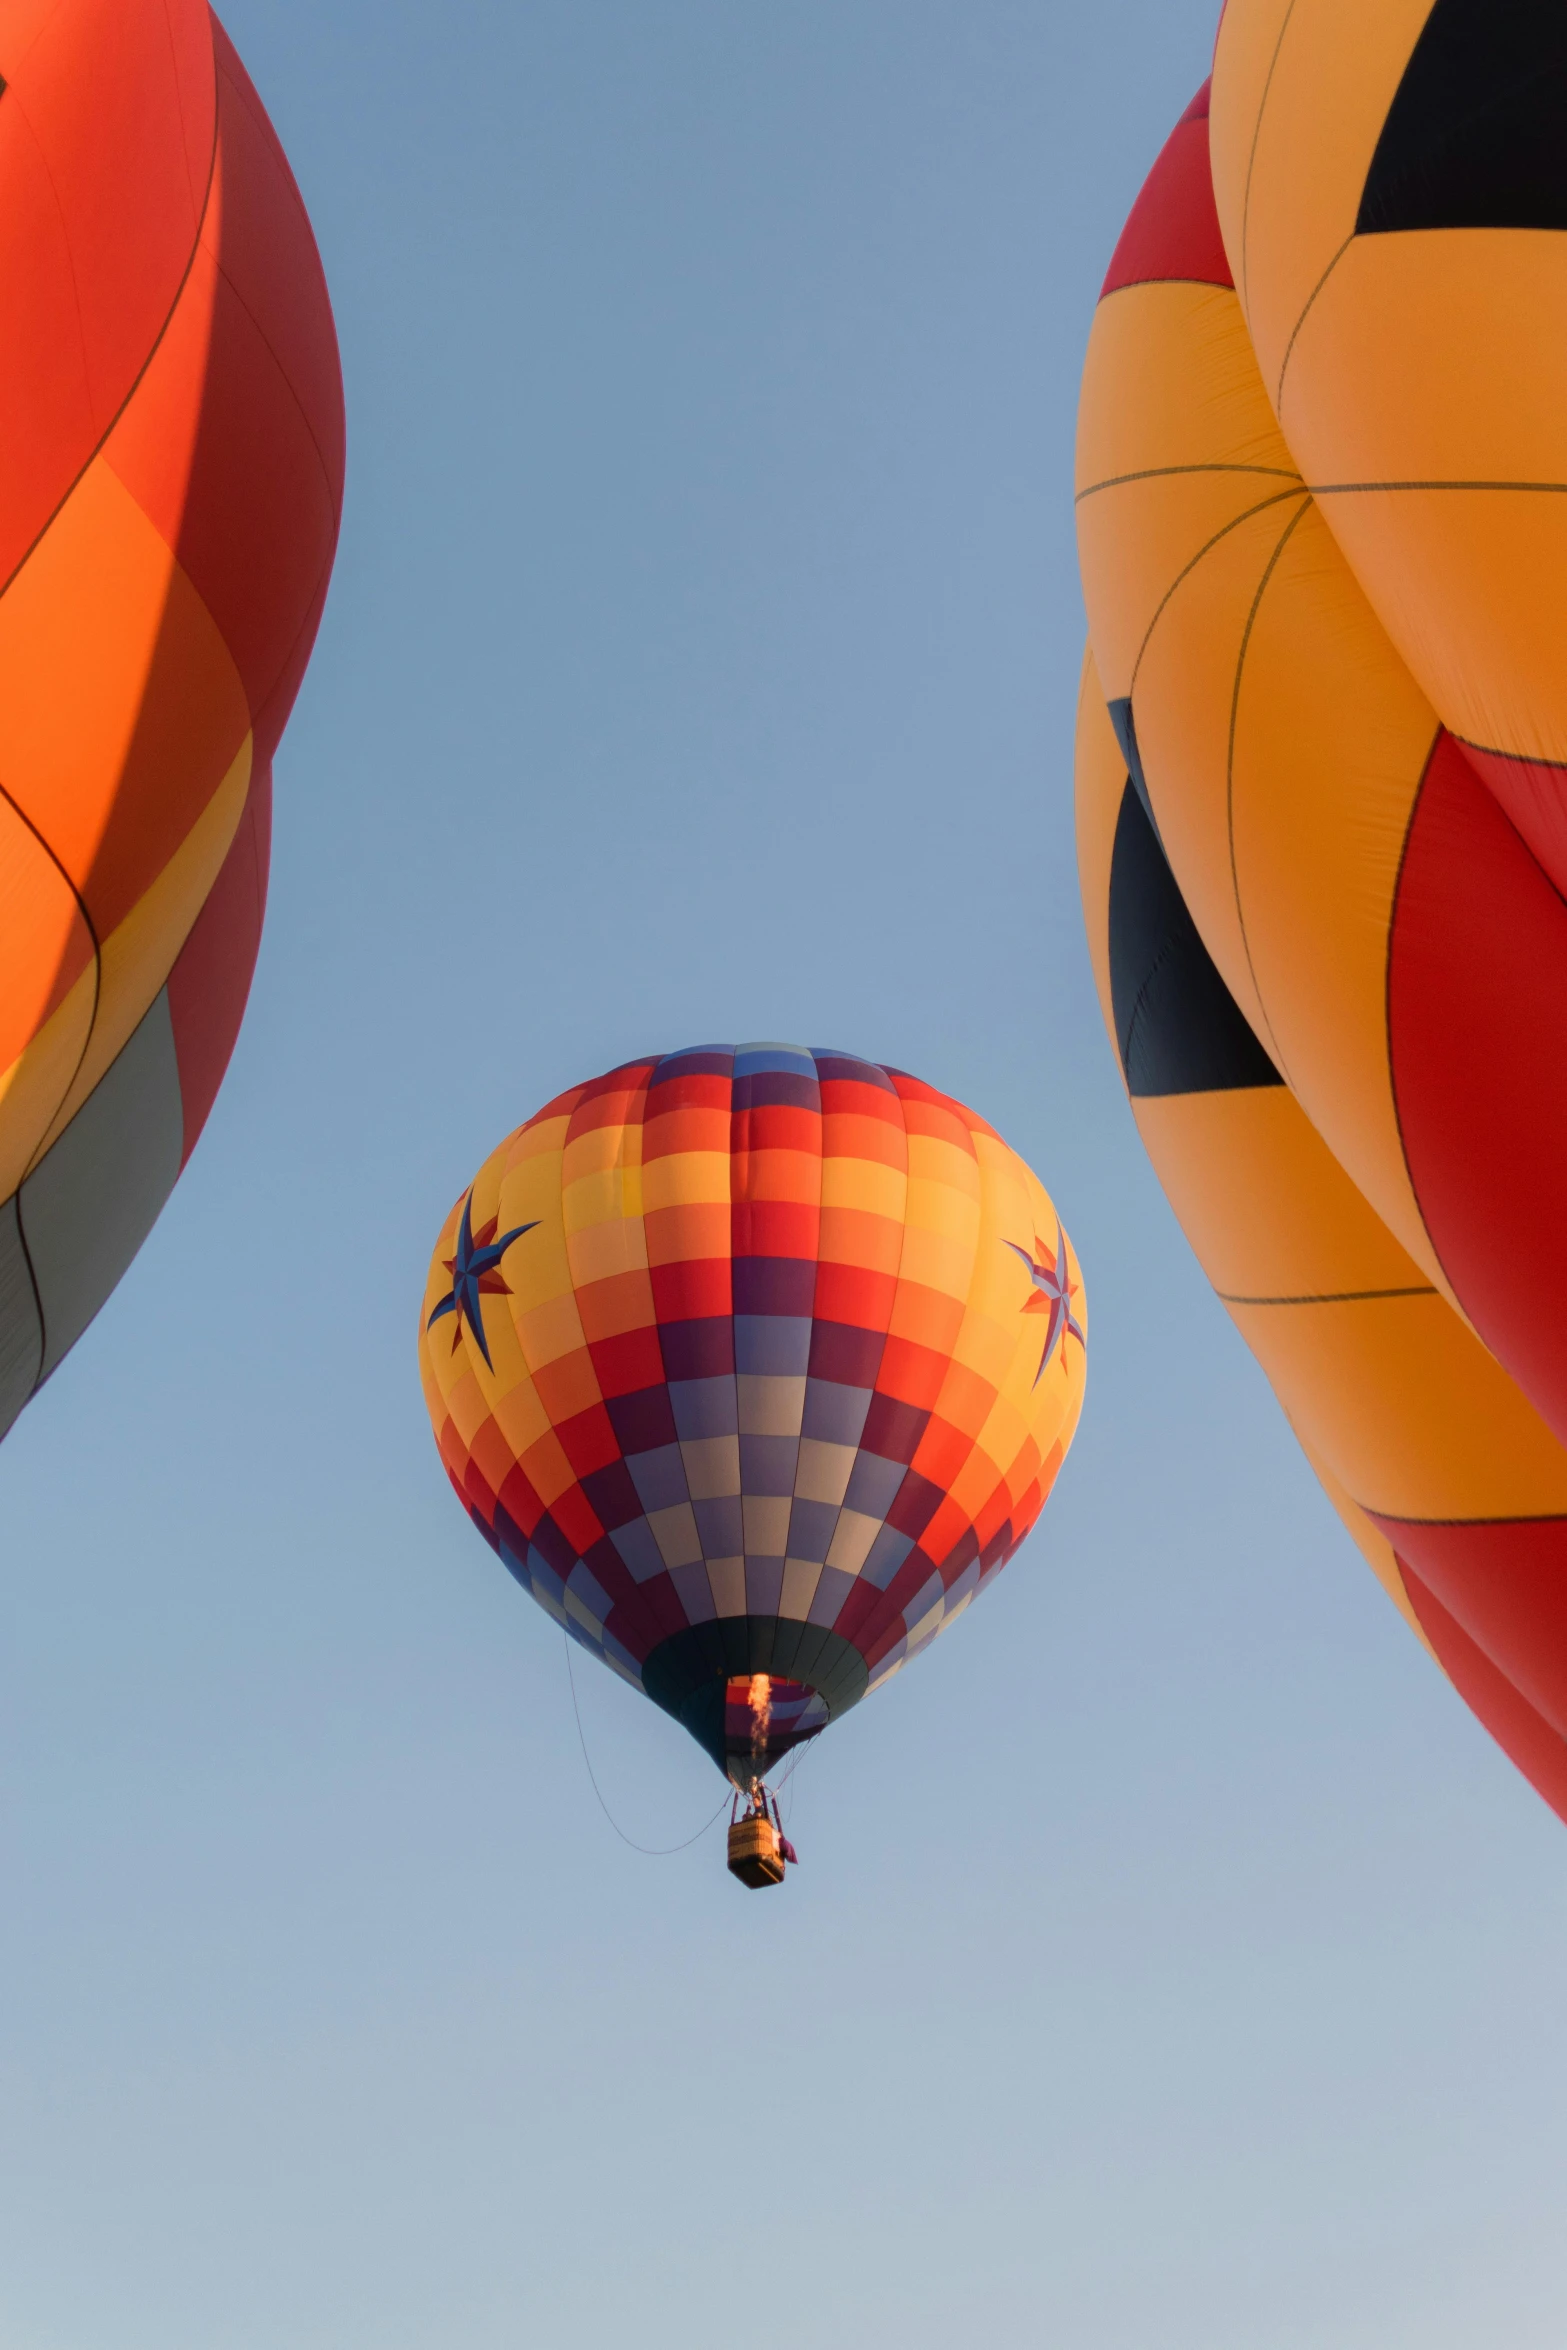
(1229, 768)
(1113, 481)
(1329, 1297)
(264, 339)
(1524, 1518)
(1186, 569)
(1514, 758)
(1289, 348)
(1354, 489)
(1387, 1005)
(1251, 159)
(43, 1327)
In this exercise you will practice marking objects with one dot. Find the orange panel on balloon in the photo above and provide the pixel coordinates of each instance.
(121, 710)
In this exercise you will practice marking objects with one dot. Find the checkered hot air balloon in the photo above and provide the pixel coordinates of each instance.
(754, 1366)
(1322, 750)
(171, 466)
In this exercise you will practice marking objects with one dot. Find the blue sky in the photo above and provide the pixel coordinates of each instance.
(1173, 1964)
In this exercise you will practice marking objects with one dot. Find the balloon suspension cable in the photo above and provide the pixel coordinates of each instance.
(652, 1851)
(764, 1792)
(795, 1760)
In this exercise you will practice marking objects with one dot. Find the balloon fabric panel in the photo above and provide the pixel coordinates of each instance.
(1481, 1067)
(91, 1201)
(210, 982)
(1172, 231)
(167, 528)
(754, 1366)
(1518, 1728)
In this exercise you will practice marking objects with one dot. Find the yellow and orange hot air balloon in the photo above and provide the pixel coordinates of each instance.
(755, 1366)
(1321, 742)
(171, 425)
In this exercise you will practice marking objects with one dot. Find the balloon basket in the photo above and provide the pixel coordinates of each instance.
(754, 1854)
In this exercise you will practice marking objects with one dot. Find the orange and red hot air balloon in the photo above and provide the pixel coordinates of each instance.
(755, 1366)
(1322, 746)
(171, 419)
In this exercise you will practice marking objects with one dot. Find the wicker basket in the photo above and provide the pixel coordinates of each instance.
(754, 1856)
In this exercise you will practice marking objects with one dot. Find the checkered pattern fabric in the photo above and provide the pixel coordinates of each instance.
(753, 1362)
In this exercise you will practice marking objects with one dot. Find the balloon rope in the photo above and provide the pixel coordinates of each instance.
(795, 1760)
(653, 1851)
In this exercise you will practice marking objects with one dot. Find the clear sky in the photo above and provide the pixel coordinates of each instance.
(1173, 1964)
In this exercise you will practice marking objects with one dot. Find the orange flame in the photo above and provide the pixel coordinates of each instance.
(761, 1719)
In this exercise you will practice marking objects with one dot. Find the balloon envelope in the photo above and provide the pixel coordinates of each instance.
(754, 1366)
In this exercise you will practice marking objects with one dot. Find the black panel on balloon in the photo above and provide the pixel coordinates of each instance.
(1126, 735)
(1476, 136)
(1177, 1025)
(687, 1673)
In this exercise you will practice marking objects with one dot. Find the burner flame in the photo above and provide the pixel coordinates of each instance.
(761, 1720)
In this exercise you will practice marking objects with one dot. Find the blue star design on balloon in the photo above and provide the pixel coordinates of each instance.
(476, 1274)
(1054, 1290)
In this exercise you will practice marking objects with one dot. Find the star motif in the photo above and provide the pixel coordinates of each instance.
(1054, 1290)
(475, 1272)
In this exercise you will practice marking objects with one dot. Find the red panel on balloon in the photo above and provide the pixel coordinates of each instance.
(1534, 794)
(1173, 228)
(1477, 1007)
(1505, 1582)
(1518, 1729)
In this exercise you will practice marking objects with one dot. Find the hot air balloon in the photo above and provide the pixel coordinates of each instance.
(1329, 944)
(754, 1365)
(172, 422)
